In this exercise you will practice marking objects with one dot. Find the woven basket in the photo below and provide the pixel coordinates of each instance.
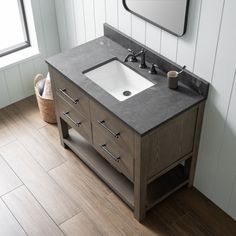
(46, 106)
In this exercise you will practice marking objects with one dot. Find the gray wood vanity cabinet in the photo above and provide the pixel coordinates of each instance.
(142, 170)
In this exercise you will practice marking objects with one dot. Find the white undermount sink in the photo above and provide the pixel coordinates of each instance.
(118, 80)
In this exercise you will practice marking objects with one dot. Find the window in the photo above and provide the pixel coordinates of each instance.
(14, 34)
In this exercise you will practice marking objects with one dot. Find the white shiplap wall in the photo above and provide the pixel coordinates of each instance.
(16, 81)
(208, 49)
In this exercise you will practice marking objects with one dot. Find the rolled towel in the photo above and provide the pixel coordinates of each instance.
(39, 83)
(47, 92)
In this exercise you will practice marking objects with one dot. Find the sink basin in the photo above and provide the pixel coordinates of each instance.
(118, 80)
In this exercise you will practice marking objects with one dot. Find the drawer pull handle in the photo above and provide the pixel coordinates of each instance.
(66, 114)
(104, 148)
(63, 91)
(102, 123)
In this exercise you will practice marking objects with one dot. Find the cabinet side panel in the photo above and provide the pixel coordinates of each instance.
(171, 142)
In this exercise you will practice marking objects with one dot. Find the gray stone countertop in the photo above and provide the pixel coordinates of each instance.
(142, 112)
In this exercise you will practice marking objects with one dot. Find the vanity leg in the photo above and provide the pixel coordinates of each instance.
(63, 131)
(139, 200)
(62, 125)
(140, 184)
(196, 143)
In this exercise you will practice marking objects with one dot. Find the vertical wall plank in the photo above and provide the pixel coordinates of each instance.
(4, 97)
(70, 23)
(40, 66)
(27, 71)
(100, 16)
(138, 29)
(187, 43)
(61, 22)
(232, 203)
(227, 160)
(49, 24)
(39, 26)
(112, 12)
(79, 21)
(89, 20)
(218, 175)
(153, 37)
(124, 19)
(169, 45)
(207, 38)
(14, 84)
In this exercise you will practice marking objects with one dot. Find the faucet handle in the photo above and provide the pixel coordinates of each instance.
(131, 51)
(133, 56)
(153, 71)
(143, 50)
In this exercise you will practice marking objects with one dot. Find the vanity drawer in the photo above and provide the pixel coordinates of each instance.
(116, 130)
(71, 93)
(76, 120)
(114, 154)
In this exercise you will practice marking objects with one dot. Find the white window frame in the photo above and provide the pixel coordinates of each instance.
(28, 52)
(26, 42)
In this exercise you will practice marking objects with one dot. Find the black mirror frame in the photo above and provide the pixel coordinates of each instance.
(153, 23)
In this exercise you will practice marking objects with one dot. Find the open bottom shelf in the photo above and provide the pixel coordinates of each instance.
(165, 185)
(116, 181)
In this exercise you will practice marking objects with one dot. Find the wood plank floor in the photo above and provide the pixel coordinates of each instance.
(46, 190)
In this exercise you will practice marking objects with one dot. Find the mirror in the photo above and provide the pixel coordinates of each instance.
(170, 15)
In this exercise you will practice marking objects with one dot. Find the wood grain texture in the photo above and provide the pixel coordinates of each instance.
(30, 111)
(74, 118)
(80, 100)
(8, 224)
(101, 212)
(125, 164)
(59, 206)
(5, 134)
(30, 214)
(80, 225)
(206, 211)
(186, 212)
(163, 142)
(8, 179)
(19, 126)
(117, 182)
(126, 135)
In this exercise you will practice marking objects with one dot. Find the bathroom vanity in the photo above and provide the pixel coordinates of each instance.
(144, 147)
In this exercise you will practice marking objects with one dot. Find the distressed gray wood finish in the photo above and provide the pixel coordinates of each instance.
(149, 168)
